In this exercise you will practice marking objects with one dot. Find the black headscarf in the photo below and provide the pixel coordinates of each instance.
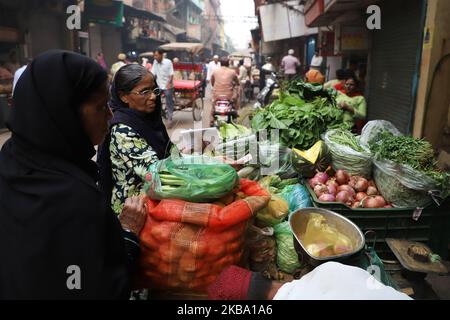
(52, 214)
(149, 126)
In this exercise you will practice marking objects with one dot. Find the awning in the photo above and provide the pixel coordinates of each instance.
(329, 12)
(174, 30)
(137, 13)
(194, 48)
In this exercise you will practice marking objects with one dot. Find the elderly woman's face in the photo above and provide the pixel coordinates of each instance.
(95, 114)
(143, 96)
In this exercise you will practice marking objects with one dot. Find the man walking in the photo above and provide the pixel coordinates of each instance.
(212, 66)
(290, 65)
(163, 70)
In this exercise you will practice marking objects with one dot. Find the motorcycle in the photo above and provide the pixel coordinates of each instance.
(265, 94)
(224, 111)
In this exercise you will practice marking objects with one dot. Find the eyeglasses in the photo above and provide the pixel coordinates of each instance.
(147, 93)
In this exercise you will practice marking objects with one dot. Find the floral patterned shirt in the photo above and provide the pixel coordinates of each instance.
(130, 158)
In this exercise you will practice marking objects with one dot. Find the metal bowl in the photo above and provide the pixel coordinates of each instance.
(298, 222)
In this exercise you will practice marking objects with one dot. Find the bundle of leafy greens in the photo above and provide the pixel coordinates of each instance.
(310, 91)
(301, 121)
(416, 153)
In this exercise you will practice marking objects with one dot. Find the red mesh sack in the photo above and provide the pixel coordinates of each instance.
(186, 245)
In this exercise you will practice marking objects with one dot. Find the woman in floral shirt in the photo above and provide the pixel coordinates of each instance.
(138, 136)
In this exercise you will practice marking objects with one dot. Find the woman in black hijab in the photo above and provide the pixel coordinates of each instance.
(59, 238)
(137, 136)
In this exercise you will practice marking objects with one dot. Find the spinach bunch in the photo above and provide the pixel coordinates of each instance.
(301, 122)
(310, 91)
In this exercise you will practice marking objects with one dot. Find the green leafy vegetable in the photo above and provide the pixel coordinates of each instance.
(300, 123)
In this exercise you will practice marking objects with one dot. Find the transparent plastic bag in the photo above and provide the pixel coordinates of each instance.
(275, 159)
(345, 158)
(238, 148)
(372, 129)
(192, 178)
(403, 186)
(323, 240)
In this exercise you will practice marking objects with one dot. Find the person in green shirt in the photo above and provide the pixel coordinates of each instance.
(352, 101)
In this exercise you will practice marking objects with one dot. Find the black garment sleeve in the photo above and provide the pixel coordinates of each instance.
(132, 249)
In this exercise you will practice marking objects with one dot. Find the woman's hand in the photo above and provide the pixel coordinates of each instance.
(346, 107)
(134, 214)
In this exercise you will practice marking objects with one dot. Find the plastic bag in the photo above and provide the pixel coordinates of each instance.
(287, 259)
(274, 213)
(403, 186)
(193, 178)
(323, 240)
(297, 197)
(372, 129)
(272, 157)
(262, 247)
(238, 149)
(345, 158)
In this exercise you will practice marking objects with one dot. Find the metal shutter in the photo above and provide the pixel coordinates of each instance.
(394, 62)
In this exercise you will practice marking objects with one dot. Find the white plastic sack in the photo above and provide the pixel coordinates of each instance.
(345, 158)
(336, 281)
(373, 128)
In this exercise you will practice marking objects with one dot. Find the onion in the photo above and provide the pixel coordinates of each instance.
(370, 202)
(388, 206)
(314, 182)
(320, 189)
(372, 191)
(327, 198)
(356, 204)
(361, 185)
(381, 201)
(342, 177)
(360, 196)
(343, 196)
(346, 187)
(322, 177)
(333, 182)
(372, 183)
(352, 182)
(374, 202)
(332, 189)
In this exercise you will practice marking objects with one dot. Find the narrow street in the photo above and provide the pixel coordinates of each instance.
(332, 183)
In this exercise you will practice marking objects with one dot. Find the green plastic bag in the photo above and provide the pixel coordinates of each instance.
(370, 262)
(191, 178)
(287, 259)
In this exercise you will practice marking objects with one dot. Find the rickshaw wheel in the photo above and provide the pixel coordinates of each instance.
(197, 109)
